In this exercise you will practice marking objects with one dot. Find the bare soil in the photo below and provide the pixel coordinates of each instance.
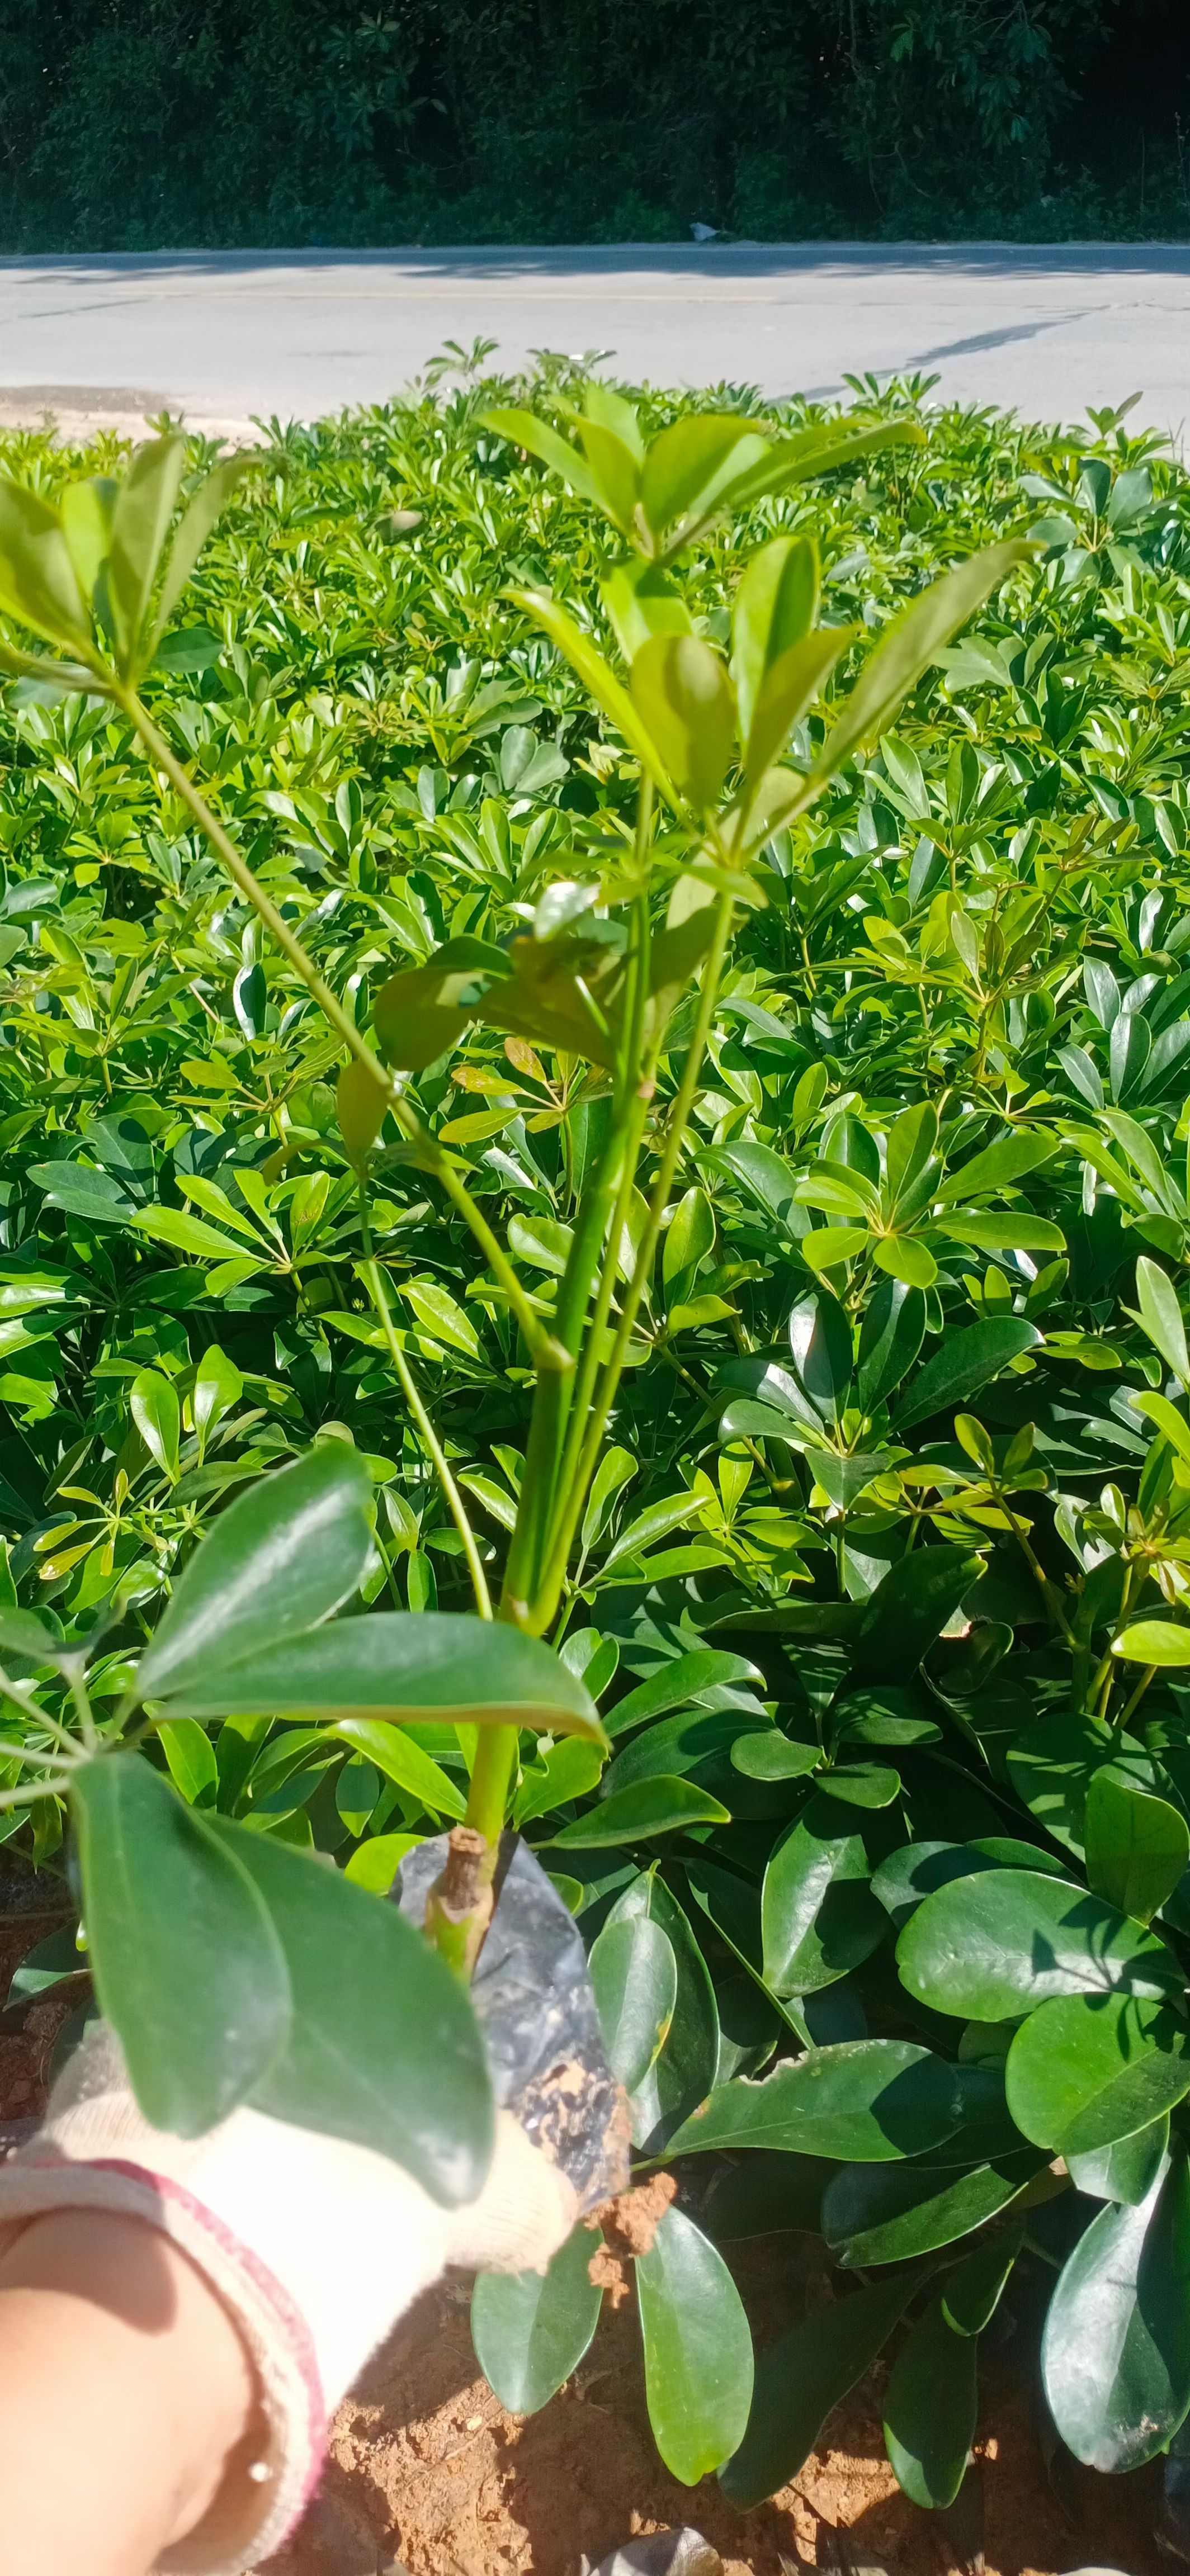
(427, 2470)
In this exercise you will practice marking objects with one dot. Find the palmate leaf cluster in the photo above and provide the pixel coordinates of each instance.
(879, 1835)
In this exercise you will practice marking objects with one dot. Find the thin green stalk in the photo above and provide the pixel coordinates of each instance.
(491, 1780)
(1148, 1675)
(29, 1797)
(83, 1710)
(565, 1400)
(430, 1152)
(39, 1716)
(590, 1361)
(546, 1603)
(1053, 1606)
(374, 1283)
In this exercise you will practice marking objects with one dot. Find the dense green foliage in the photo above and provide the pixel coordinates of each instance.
(158, 123)
(881, 1584)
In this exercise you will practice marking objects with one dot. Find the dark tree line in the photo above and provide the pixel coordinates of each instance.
(133, 123)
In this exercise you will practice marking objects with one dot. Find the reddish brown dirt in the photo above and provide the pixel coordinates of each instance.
(427, 2465)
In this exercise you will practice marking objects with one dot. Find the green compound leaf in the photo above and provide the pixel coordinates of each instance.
(1137, 1846)
(531, 2329)
(646, 1807)
(866, 2101)
(189, 1968)
(1087, 2070)
(698, 2350)
(1115, 2354)
(966, 1361)
(1126, 2171)
(800, 2381)
(383, 2047)
(991, 1948)
(635, 1978)
(400, 1665)
(930, 2408)
(281, 1557)
(892, 2213)
(683, 2072)
(818, 1914)
(974, 2289)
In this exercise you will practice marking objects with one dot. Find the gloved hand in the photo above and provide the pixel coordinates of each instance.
(316, 2246)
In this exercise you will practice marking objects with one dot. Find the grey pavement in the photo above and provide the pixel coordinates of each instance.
(225, 336)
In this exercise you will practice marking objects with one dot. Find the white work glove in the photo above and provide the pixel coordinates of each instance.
(317, 2246)
(314, 2246)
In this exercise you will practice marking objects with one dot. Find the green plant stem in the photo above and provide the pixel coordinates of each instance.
(430, 1152)
(1053, 1607)
(373, 1280)
(546, 1602)
(36, 1715)
(565, 1399)
(1148, 1675)
(491, 1780)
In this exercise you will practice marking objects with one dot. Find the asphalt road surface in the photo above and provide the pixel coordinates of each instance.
(223, 337)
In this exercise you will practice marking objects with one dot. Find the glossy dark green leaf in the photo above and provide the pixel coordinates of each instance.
(868, 2100)
(975, 2288)
(764, 1176)
(769, 2192)
(917, 1870)
(891, 1336)
(634, 1975)
(82, 1192)
(400, 1665)
(860, 1784)
(685, 1679)
(820, 1340)
(1115, 2353)
(890, 2213)
(46, 1964)
(773, 1756)
(967, 1360)
(698, 2350)
(1126, 2171)
(281, 1556)
(682, 2074)
(818, 1915)
(1052, 1764)
(930, 2408)
(801, 2379)
(884, 1714)
(648, 1807)
(189, 1968)
(998, 1945)
(1137, 1846)
(1086, 2070)
(383, 2047)
(531, 2329)
(908, 1610)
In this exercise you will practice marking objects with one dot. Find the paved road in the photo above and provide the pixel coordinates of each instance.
(302, 332)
